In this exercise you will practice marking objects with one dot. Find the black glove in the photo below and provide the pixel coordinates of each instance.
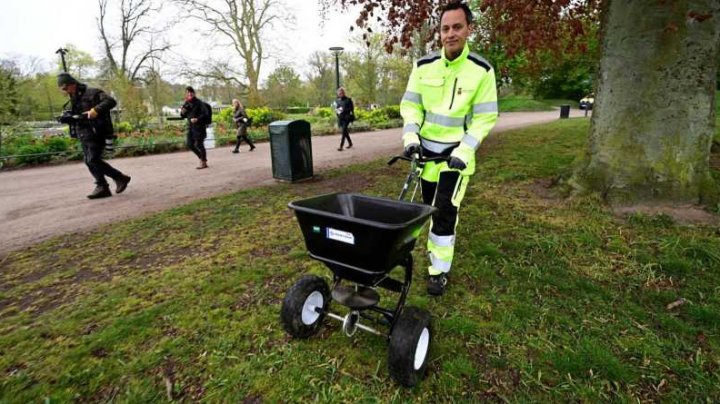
(456, 164)
(411, 149)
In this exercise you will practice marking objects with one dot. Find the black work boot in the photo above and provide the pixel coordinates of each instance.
(100, 191)
(121, 183)
(436, 284)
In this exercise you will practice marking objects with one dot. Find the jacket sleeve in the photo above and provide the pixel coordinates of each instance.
(483, 118)
(412, 111)
(103, 102)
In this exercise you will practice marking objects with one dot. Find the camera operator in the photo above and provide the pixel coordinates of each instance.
(194, 110)
(89, 120)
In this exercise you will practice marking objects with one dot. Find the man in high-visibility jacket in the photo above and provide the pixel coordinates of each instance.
(449, 108)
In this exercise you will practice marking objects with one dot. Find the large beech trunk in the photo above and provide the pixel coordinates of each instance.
(654, 115)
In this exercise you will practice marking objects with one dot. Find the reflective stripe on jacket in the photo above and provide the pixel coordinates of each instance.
(449, 102)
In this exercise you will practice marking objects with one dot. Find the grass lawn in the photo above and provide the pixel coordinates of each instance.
(550, 300)
(518, 103)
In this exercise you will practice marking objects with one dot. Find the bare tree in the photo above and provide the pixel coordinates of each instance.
(241, 23)
(135, 28)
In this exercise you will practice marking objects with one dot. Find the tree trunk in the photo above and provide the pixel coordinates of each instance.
(654, 116)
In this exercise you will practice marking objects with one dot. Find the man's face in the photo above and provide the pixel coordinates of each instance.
(454, 31)
(68, 89)
(189, 95)
(341, 93)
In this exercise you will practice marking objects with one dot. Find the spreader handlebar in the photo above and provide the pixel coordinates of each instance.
(419, 159)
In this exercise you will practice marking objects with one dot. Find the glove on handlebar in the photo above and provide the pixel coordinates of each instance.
(411, 149)
(456, 164)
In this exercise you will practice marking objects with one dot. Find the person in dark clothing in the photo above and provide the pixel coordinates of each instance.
(241, 119)
(345, 111)
(196, 114)
(93, 127)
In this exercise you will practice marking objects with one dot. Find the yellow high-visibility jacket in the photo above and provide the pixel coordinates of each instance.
(450, 103)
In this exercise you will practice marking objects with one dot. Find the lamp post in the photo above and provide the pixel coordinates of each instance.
(337, 50)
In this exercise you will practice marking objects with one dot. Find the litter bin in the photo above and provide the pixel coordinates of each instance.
(564, 111)
(291, 150)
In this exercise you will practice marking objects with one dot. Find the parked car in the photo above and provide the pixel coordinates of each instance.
(587, 102)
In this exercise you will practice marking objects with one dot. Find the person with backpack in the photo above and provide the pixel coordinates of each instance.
(345, 111)
(199, 116)
(90, 122)
(242, 122)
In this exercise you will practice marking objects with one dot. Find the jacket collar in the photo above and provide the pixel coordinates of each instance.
(457, 60)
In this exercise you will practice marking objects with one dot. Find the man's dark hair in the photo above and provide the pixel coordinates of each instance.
(458, 5)
(190, 89)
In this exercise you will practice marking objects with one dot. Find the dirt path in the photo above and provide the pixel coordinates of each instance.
(39, 203)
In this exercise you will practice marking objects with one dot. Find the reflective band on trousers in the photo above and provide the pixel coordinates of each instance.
(440, 265)
(485, 107)
(471, 141)
(444, 120)
(437, 147)
(442, 241)
(411, 128)
(412, 97)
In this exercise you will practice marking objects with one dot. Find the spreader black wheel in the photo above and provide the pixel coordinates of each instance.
(409, 346)
(298, 314)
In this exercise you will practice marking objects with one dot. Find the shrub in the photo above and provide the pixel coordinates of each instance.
(377, 116)
(263, 116)
(324, 112)
(225, 117)
(297, 110)
(33, 149)
(392, 111)
(57, 143)
(123, 127)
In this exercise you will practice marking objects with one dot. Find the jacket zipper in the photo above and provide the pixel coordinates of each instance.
(452, 100)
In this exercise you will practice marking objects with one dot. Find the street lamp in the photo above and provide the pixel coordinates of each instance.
(337, 50)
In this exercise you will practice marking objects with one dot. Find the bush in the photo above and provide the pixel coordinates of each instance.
(225, 117)
(263, 116)
(324, 112)
(392, 111)
(123, 127)
(33, 149)
(296, 110)
(58, 143)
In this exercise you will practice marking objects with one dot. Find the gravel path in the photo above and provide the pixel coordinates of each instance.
(38, 203)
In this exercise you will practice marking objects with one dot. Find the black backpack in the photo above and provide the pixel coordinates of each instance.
(209, 113)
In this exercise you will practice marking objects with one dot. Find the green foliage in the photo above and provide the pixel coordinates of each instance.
(9, 101)
(58, 143)
(284, 88)
(33, 154)
(225, 117)
(263, 116)
(568, 80)
(130, 102)
(296, 110)
(324, 112)
(123, 127)
(521, 103)
(392, 111)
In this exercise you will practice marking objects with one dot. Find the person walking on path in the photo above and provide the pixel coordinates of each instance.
(449, 107)
(242, 121)
(196, 113)
(345, 111)
(90, 122)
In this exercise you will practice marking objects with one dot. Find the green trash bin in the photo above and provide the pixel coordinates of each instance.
(564, 111)
(291, 150)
